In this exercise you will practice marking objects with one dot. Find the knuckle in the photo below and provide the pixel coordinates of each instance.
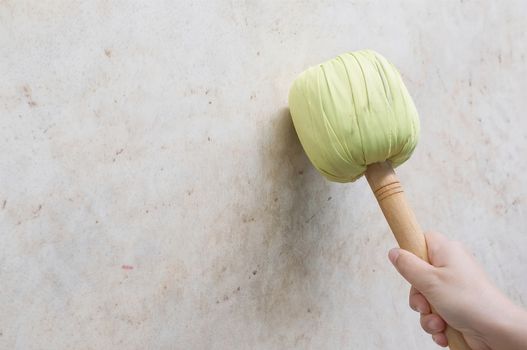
(431, 323)
(412, 303)
(423, 321)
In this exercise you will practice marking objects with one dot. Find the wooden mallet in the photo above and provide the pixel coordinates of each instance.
(354, 116)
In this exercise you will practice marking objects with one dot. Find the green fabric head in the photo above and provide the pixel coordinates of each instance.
(352, 111)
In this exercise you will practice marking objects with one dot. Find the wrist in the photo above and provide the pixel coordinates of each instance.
(507, 329)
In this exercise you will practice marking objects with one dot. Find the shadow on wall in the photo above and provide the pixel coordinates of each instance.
(294, 200)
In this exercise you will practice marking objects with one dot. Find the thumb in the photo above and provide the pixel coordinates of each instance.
(417, 272)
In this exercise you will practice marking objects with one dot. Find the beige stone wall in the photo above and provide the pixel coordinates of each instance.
(153, 194)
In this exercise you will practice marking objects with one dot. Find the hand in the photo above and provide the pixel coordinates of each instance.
(462, 296)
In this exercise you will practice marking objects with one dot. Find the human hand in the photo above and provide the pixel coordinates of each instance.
(462, 296)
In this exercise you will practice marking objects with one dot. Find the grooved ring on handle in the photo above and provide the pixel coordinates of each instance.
(388, 190)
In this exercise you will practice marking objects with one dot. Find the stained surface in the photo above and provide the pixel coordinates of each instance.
(153, 194)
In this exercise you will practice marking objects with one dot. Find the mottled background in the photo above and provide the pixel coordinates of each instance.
(153, 193)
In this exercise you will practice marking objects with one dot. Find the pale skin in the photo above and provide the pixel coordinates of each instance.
(463, 296)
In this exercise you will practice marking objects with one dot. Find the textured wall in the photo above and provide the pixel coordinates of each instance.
(153, 194)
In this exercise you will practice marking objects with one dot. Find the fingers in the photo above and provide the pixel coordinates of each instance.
(435, 242)
(416, 271)
(418, 302)
(432, 324)
(443, 252)
(440, 339)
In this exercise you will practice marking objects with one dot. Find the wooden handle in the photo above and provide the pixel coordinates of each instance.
(402, 221)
